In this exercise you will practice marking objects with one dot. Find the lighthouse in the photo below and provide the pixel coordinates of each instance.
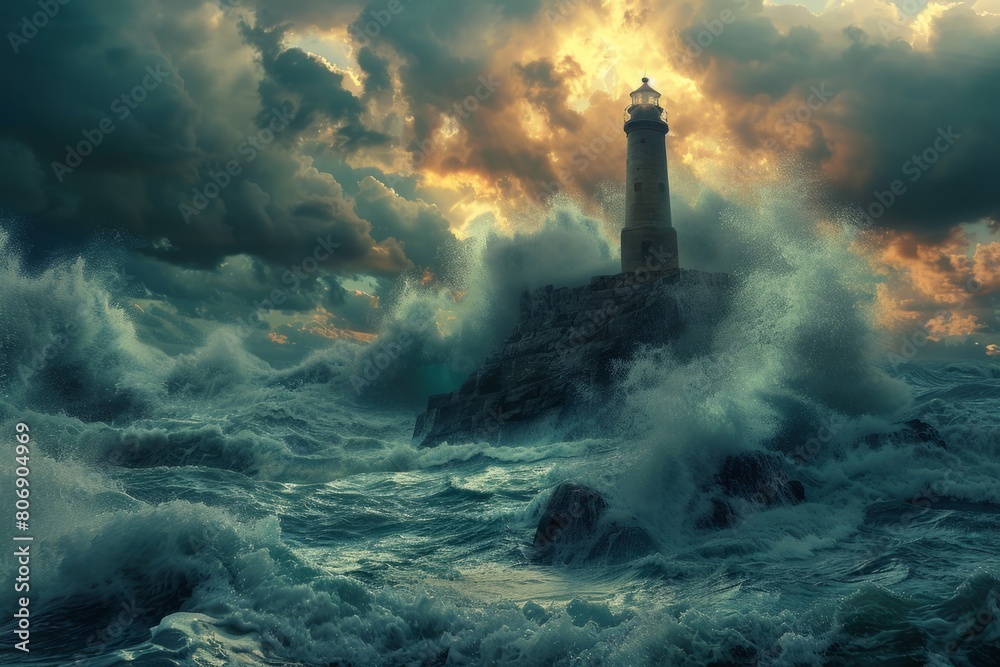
(649, 242)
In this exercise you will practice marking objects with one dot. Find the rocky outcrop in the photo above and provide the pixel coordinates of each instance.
(571, 514)
(912, 431)
(574, 528)
(566, 339)
(749, 481)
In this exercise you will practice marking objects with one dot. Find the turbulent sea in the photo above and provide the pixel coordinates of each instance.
(207, 508)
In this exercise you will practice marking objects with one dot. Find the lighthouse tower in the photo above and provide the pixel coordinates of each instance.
(648, 240)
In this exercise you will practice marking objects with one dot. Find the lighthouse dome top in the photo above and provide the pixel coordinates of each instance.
(645, 94)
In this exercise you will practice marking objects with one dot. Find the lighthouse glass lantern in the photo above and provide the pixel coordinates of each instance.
(645, 94)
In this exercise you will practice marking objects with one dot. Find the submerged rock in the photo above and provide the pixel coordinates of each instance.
(618, 541)
(573, 527)
(924, 432)
(758, 476)
(748, 480)
(908, 432)
(572, 512)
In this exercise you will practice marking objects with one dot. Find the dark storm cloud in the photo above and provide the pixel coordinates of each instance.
(293, 73)
(376, 69)
(547, 89)
(922, 118)
(889, 99)
(440, 72)
(458, 67)
(221, 83)
(395, 217)
(225, 293)
(162, 100)
(243, 293)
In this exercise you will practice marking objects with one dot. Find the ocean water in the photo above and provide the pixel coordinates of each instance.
(208, 508)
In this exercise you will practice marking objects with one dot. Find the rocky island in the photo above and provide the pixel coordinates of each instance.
(557, 366)
(566, 342)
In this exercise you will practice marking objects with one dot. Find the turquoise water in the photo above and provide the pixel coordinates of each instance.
(305, 529)
(204, 507)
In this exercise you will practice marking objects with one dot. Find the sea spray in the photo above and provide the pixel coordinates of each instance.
(796, 350)
(256, 515)
(67, 346)
(437, 331)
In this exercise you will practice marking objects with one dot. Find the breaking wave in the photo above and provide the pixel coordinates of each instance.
(203, 507)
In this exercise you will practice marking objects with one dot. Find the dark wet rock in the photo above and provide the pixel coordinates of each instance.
(570, 516)
(621, 542)
(566, 340)
(746, 481)
(573, 527)
(924, 432)
(722, 516)
(908, 432)
(760, 477)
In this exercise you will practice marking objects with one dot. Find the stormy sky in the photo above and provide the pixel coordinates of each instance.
(230, 150)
